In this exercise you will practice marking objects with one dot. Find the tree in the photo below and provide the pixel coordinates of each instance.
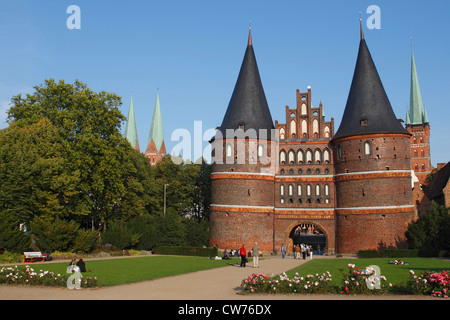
(35, 178)
(89, 123)
(426, 232)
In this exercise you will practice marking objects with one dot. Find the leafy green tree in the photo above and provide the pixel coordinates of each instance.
(89, 123)
(35, 178)
(426, 232)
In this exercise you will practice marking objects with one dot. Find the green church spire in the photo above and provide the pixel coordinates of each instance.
(417, 113)
(131, 129)
(156, 129)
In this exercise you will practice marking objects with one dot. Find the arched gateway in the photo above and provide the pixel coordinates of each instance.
(310, 235)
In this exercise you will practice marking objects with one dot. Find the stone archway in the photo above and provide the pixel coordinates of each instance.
(309, 233)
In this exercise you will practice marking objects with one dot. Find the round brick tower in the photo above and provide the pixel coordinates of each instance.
(242, 178)
(372, 166)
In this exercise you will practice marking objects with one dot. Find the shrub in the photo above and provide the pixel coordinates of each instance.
(54, 234)
(10, 257)
(186, 251)
(11, 237)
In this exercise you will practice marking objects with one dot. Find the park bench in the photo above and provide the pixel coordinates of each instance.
(34, 256)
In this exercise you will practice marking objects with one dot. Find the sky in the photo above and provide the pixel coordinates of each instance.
(191, 52)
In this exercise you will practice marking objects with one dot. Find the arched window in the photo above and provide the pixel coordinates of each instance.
(316, 127)
(327, 190)
(293, 127)
(303, 109)
(299, 190)
(317, 190)
(291, 190)
(308, 190)
(282, 133)
(283, 157)
(367, 148)
(291, 157)
(260, 150)
(300, 157)
(229, 150)
(339, 149)
(304, 128)
(317, 156)
(326, 156)
(282, 190)
(308, 156)
(326, 132)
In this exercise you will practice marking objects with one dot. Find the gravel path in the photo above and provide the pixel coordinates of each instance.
(216, 284)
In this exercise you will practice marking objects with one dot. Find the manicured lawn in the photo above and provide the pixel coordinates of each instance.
(394, 273)
(112, 272)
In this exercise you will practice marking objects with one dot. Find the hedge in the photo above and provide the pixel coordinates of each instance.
(186, 251)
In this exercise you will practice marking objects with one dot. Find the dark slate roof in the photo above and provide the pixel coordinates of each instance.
(368, 109)
(248, 105)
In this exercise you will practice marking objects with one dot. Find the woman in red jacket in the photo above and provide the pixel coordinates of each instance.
(243, 254)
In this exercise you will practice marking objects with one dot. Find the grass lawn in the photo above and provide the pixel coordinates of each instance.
(394, 273)
(111, 272)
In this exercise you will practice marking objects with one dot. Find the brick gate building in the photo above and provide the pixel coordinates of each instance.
(298, 181)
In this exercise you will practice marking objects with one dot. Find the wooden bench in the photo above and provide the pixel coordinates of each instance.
(34, 256)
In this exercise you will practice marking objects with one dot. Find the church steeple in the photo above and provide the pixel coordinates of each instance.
(368, 109)
(155, 147)
(248, 108)
(131, 129)
(417, 113)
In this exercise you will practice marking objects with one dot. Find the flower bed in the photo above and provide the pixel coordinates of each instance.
(27, 276)
(430, 283)
(282, 284)
(355, 281)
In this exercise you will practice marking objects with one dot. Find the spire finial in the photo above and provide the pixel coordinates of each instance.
(360, 24)
(249, 32)
(411, 38)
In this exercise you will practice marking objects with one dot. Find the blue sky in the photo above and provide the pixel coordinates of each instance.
(192, 51)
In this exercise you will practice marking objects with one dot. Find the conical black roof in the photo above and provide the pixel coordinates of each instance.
(368, 109)
(248, 106)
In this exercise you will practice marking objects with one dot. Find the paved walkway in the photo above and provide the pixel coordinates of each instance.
(216, 284)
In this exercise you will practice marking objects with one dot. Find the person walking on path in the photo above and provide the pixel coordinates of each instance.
(243, 254)
(255, 254)
(283, 251)
(297, 252)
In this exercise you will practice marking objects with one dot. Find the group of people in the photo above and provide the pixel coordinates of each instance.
(254, 253)
(79, 266)
(300, 250)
